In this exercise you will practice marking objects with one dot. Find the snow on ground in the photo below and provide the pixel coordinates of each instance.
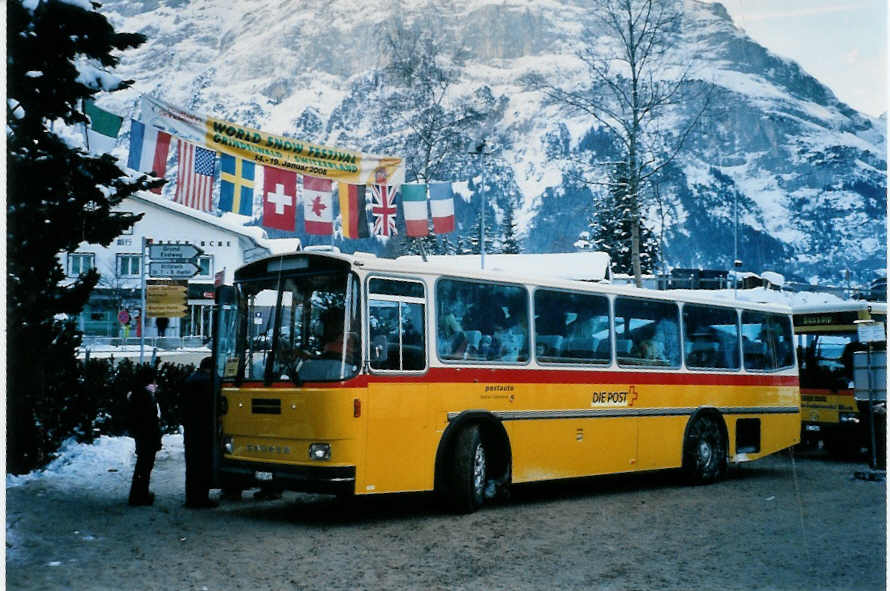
(92, 466)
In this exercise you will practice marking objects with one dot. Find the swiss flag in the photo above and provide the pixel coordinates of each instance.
(318, 205)
(280, 199)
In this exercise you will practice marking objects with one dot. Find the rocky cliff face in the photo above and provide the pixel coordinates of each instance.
(806, 171)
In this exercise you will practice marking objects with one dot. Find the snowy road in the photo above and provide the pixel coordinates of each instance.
(774, 524)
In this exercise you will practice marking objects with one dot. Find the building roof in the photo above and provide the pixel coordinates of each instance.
(230, 222)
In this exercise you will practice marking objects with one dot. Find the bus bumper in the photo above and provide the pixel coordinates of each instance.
(313, 479)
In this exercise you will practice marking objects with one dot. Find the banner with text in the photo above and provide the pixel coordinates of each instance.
(266, 149)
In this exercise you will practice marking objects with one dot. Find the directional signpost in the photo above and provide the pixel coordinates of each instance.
(176, 261)
(166, 300)
(174, 252)
(173, 269)
(172, 261)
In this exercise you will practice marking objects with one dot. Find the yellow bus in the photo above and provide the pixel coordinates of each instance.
(352, 374)
(827, 339)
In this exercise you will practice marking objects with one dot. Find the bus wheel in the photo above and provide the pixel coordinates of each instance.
(704, 451)
(469, 471)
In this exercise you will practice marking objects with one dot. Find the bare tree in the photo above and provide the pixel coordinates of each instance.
(420, 91)
(433, 117)
(629, 89)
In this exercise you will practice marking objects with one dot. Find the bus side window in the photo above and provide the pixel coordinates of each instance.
(396, 328)
(571, 327)
(481, 321)
(766, 341)
(711, 337)
(413, 341)
(653, 329)
(383, 322)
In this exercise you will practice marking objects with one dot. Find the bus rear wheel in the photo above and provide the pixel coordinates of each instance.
(704, 451)
(469, 471)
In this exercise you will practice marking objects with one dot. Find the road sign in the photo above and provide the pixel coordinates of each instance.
(165, 295)
(177, 270)
(165, 310)
(177, 252)
(166, 290)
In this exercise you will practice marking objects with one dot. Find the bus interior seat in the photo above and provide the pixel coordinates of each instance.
(485, 346)
(580, 347)
(550, 345)
(602, 349)
(623, 346)
(755, 355)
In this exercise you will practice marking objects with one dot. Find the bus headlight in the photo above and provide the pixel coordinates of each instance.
(228, 446)
(320, 451)
(849, 418)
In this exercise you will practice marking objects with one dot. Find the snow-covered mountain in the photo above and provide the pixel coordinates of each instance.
(808, 172)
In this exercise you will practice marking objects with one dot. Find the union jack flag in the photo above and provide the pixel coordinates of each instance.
(384, 210)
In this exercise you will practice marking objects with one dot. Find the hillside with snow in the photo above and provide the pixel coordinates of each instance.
(807, 171)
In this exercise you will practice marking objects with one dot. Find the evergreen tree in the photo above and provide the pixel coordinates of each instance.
(509, 243)
(475, 238)
(463, 245)
(57, 197)
(611, 228)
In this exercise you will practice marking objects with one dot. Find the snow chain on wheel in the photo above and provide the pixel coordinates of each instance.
(704, 451)
(469, 471)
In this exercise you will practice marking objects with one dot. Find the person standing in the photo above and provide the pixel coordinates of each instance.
(197, 423)
(145, 429)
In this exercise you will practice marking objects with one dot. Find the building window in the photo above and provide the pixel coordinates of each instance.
(205, 263)
(80, 262)
(128, 265)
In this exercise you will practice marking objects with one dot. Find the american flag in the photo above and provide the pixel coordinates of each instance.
(384, 210)
(194, 180)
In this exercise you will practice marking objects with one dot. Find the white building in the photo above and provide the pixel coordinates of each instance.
(226, 242)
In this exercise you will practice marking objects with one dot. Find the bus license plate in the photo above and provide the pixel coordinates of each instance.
(263, 475)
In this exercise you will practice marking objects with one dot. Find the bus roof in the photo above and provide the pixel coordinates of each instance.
(851, 306)
(415, 265)
(578, 266)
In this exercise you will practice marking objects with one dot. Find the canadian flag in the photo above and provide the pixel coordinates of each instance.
(279, 199)
(318, 202)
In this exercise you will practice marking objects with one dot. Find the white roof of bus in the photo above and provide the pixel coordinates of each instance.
(416, 266)
(844, 306)
(578, 266)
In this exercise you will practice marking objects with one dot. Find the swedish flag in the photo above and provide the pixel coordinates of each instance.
(236, 189)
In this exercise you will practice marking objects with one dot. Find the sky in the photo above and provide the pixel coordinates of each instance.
(843, 43)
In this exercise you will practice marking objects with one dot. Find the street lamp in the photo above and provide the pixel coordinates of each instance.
(479, 150)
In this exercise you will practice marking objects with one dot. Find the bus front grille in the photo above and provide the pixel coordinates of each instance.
(265, 406)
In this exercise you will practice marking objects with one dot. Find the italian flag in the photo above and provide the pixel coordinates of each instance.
(103, 129)
(414, 206)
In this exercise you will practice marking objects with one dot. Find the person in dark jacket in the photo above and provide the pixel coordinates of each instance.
(145, 428)
(197, 422)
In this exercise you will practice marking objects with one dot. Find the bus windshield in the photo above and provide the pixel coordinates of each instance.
(828, 360)
(299, 327)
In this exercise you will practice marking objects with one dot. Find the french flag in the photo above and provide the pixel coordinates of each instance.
(148, 150)
(442, 207)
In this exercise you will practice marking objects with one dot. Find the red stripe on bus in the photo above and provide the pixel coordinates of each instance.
(826, 392)
(541, 376)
